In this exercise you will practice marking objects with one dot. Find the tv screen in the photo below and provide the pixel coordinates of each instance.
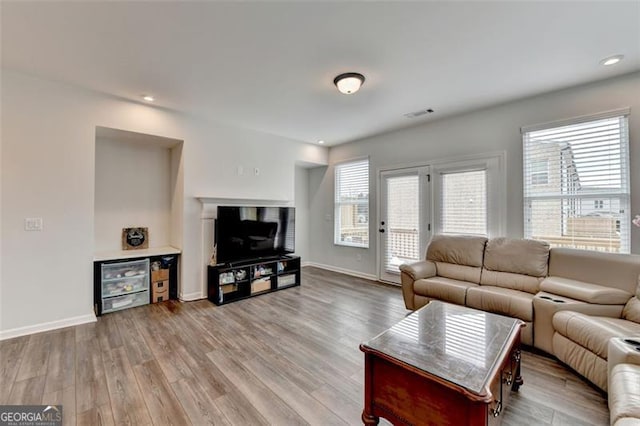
(254, 232)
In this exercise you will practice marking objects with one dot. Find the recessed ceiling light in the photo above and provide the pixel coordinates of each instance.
(148, 98)
(349, 83)
(611, 60)
(320, 142)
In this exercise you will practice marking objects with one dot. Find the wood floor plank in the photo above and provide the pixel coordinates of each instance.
(61, 372)
(65, 397)
(239, 411)
(134, 344)
(309, 408)
(126, 398)
(201, 409)
(96, 416)
(108, 333)
(268, 403)
(289, 357)
(91, 382)
(162, 404)
(27, 392)
(11, 355)
(340, 403)
(36, 355)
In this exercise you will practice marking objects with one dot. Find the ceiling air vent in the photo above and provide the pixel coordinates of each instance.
(420, 113)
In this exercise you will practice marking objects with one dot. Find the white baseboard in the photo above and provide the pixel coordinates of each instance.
(190, 297)
(46, 326)
(342, 271)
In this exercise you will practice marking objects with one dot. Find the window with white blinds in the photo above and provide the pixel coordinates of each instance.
(583, 202)
(352, 204)
(463, 203)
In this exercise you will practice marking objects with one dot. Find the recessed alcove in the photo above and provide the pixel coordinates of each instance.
(138, 183)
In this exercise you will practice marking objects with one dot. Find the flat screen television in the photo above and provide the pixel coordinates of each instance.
(244, 233)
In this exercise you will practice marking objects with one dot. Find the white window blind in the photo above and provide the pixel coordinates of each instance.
(403, 221)
(584, 202)
(463, 204)
(352, 204)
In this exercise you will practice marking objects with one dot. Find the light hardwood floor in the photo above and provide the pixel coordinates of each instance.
(285, 358)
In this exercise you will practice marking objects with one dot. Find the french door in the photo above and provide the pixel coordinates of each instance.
(403, 219)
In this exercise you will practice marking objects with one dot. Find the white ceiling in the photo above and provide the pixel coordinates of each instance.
(270, 66)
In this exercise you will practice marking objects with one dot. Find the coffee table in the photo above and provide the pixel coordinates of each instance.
(442, 365)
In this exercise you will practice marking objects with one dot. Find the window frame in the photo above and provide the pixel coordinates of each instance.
(619, 194)
(495, 166)
(337, 226)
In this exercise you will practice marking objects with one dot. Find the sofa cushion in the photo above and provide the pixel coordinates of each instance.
(624, 392)
(608, 269)
(586, 292)
(510, 280)
(518, 256)
(631, 311)
(445, 289)
(459, 272)
(457, 249)
(592, 333)
(500, 300)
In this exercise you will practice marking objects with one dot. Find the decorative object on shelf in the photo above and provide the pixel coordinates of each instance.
(636, 221)
(214, 256)
(135, 238)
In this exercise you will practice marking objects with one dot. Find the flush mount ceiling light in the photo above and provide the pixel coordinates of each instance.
(611, 60)
(349, 83)
(148, 98)
(320, 142)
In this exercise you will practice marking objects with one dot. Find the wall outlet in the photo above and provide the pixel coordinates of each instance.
(33, 224)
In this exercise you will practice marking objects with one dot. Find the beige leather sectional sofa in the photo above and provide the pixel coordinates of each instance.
(573, 302)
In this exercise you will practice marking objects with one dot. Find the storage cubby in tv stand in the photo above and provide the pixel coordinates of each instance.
(239, 280)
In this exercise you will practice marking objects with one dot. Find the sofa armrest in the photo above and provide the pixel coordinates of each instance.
(419, 270)
(410, 273)
(585, 292)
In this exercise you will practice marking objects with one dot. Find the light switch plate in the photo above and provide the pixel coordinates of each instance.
(33, 224)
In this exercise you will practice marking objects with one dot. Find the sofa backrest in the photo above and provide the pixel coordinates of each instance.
(607, 269)
(457, 256)
(515, 263)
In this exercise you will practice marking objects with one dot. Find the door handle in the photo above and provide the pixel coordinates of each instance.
(381, 230)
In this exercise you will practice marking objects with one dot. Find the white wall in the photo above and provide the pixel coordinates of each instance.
(488, 130)
(48, 142)
(302, 212)
(132, 189)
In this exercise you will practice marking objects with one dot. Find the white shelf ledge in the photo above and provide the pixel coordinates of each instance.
(244, 201)
(132, 254)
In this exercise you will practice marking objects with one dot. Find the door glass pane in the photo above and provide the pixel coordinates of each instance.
(403, 221)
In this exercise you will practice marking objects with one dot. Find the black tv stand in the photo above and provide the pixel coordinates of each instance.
(247, 278)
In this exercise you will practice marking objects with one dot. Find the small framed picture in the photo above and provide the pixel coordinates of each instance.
(135, 238)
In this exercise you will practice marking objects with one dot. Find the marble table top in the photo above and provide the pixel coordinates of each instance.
(458, 344)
